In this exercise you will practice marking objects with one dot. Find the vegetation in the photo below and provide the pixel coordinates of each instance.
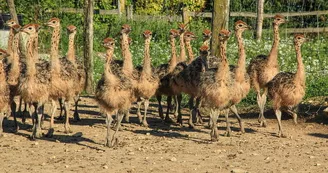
(314, 51)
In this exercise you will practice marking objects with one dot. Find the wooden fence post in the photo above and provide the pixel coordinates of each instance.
(259, 25)
(185, 15)
(88, 45)
(129, 12)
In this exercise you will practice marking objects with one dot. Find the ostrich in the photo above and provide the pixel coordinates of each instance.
(263, 68)
(4, 89)
(113, 93)
(80, 81)
(287, 89)
(215, 84)
(34, 82)
(148, 82)
(63, 77)
(162, 71)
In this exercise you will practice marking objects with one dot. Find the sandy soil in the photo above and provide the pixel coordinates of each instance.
(169, 148)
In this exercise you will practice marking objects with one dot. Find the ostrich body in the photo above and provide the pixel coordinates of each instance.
(287, 89)
(148, 81)
(78, 66)
(263, 68)
(4, 89)
(34, 82)
(163, 72)
(215, 85)
(63, 77)
(113, 93)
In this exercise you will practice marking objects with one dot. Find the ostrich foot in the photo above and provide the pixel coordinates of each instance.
(144, 123)
(111, 143)
(263, 123)
(281, 135)
(76, 117)
(139, 117)
(37, 133)
(227, 133)
(168, 120)
(50, 133)
(191, 125)
(214, 136)
(126, 119)
(67, 129)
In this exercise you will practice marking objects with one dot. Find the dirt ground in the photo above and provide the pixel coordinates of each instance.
(170, 148)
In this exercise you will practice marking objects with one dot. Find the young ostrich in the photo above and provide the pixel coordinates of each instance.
(80, 81)
(263, 68)
(34, 82)
(287, 89)
(63, 77)
(4, 89)
(113, 93)
(148, 81)
(163, 71)
(215, 84)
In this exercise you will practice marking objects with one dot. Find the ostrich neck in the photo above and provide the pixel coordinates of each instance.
(300, 73)
(273, 55)
(190, 53)
(223, 67)
(10, 40)
(2, 74)
(241, 70)
(146, 70)
(14, 70)
(182, 49)
(107, 69)
(35, 47)
(127, 64)
(206, 41)
(55, 66)
(30, 61)
(173, 60)
(71, 50)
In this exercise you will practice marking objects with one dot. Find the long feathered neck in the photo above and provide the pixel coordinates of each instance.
(35, 47)
(71, 49)
(241, 64)
(173, 60)
(109, 56)
(223, 67)
(30, 60)
(300, 73)
(190, 53)
(182, 57)
(10, 40)
(55, 66)
(206, 41)
(146, 70)
(273, 55)
(14, 70)
(2, 74)
(127, 64)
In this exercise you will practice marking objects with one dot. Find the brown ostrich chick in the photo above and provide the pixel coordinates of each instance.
(288, 89)
(148, 81)
(4, 89)
(163, 71)
(216, 84)
(34, 82)
(63, 77)
(81, 74)
(263, 68)
(113, 93)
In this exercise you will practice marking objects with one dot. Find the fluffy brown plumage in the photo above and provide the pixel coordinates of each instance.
(215, 84)
(34, 82)
(113, 93)
(4, 89)
(63, 76)
(148, 81)
(288, 89)
(263, 68)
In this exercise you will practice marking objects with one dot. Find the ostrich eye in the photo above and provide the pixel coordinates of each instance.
(278, 19)
(0, 53)
(240, 25)
(30, 28)
(12, 22)
(53, 21)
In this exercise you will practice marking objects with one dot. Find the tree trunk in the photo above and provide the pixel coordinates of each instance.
(12, 10)
(260, 9)
(88, 45)
(220, 17)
